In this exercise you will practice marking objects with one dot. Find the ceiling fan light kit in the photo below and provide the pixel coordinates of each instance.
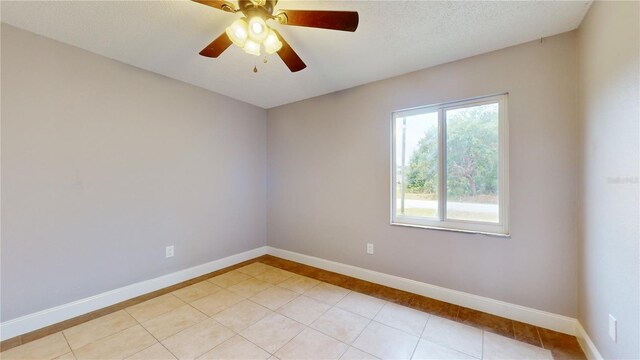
(249, 36)
(251, 32)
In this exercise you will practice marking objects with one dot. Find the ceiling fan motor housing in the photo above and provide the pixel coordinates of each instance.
(251, 8)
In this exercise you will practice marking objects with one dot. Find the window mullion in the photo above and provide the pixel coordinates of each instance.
(442, 204)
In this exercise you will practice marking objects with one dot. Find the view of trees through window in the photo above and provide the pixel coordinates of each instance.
(471, 145)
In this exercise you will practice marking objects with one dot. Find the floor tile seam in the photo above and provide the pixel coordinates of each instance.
(290, 340)
(404, 331)
(139, 322)
(482, 348)
(394, 328)
(425, 326)
(285, 344)
(166, 348)
(160, 341)
(201, 297)
(344, 296)
(112, 334)
(249, 340)
(298, 295)
(360, 334)
(309, 326)
(68, 344)
(310, 297)
(102, 337)
(156, 343)
(206, 351)
(420, 337)
(366, 352)
(449, 347)
(335, 338)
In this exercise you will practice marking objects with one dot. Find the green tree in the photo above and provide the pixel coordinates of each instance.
(472, 155)
(422, 172)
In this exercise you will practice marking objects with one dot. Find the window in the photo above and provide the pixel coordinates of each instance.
(449, 166)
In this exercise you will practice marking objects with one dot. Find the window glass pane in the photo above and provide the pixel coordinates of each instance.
(417, 165)
(472, 163)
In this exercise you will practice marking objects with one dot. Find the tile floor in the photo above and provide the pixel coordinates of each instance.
(262, 312)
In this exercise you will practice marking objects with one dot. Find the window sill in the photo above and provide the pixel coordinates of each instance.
(507, 236)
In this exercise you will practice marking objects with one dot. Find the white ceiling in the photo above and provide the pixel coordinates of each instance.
(393, 38)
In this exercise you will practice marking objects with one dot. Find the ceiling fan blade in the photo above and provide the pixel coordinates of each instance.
(217, 46)
(218, 4)
(333, 20)
(290, 58)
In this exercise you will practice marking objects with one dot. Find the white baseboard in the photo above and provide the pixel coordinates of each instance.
(40, 319)
(586, 344)
(524, 314)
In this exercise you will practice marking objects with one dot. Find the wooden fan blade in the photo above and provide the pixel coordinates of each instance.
(217, 46)
(290, 58)
(333, 20)
(218, 4)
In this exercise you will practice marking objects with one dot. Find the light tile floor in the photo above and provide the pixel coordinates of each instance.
(261, 312)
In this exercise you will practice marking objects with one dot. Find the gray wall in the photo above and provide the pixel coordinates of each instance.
(609, 128)
(104, 164)
(329, 174)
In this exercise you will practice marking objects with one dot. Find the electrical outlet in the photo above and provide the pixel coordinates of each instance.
(613, 328)
(169, 251)
(370, 248)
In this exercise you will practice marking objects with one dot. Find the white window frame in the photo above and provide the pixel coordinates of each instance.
(441, 222)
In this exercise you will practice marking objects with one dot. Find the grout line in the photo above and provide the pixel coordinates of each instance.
(368, 324)
(482, 348)
(69, 345)
(169, 351)
(420, 337)
(157, 342)
(100, 338)
(259, 347)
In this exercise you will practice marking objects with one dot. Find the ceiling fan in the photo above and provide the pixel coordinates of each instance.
(251, 31)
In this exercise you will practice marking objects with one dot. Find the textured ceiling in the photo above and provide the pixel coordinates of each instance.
(394, 37)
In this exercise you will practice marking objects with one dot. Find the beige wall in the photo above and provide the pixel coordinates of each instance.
(609, 61)
(104, 164)
(329, 174)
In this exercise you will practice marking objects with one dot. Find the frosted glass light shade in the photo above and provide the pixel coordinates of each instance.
(238, 32)
(258, 29)
(252, 47)
(272, 44)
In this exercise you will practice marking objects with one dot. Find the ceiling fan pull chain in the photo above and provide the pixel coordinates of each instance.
(255, 69)
(265, 59)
